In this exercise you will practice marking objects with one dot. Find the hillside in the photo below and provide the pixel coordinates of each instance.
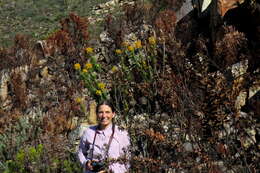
(186, 88)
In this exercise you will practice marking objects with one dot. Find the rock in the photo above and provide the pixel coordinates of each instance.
(104, 37)
(108, 4)
(143, 100)
(241, 100)
(254, 89)
(42, 62)
(145, 31)
(4, 78)
(44, 73)
(188, 147)
(130, 38)
(186, 8)
(82, 127)
(132, 102)
(239, 68)
(92, 118)
(72, 123)
(253, 104)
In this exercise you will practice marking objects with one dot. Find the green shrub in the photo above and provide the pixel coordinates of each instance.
(37, 18)
(33, 160)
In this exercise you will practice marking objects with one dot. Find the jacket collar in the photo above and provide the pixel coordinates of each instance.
(107, 131)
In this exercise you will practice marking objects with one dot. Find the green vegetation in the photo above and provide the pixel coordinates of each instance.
(22, 151)
(38, 19)
(174, 89)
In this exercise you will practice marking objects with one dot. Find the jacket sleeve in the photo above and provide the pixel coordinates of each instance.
(83, 148)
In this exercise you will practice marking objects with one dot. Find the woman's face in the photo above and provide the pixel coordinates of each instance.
(105, 116)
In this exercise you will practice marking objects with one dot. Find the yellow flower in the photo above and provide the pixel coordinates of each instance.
(152, 40)
(130, 48)
(88, 66)
(118, 51)
(78, 100)
(138, 44)
(144, 63)
(98, 92)
(101, 86)
(84, 70)
(77, 66)
(89, 50)
(114, 69)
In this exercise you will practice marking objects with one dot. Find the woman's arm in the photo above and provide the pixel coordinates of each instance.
(82, 150)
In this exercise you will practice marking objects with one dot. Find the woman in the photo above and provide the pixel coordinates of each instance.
(102, 142)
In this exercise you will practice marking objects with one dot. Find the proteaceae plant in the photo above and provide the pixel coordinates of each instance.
(231, 48)
(165, 22)
(90, 74)
(174, 106)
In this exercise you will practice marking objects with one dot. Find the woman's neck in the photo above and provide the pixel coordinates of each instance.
(102, 127)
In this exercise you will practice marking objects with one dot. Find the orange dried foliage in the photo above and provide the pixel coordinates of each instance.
(19, 91)
(145, 87)
(5, 58)
(18, 55)
(165, 22)
(146, 160)
(168, 91)
(54, 125)
(152, 164)
(222, 149)
(230, 46)
(225, 5)
(8, 118)
(80, 26)
(157, 136)
(215, 169)
(135, 13)
(60, 41)
(115, 29)
(59, 119)
(21, 41)
(172, 3)
(72, 35)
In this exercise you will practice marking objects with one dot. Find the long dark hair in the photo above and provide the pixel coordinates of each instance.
(108, 103)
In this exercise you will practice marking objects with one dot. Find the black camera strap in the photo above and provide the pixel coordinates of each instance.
(109, 142)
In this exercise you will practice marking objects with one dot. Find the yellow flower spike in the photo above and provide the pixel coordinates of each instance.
(98, 92)
(77, 66)
(84, 70)
(118, 51)
(101, 86)
(114, 69)
(144, 64)
(88, 66)
(138, 44)
(89, 50)
(152, 40)
(130, 48)
(78, 100)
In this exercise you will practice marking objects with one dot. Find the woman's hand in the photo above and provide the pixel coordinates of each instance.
(89, 165)
(103, 171)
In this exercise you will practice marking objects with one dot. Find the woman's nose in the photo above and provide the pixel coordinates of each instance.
(102, 114)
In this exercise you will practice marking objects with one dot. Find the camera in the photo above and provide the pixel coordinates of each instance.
(98, 166)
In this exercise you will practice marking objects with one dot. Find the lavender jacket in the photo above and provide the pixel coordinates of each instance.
(119, 147)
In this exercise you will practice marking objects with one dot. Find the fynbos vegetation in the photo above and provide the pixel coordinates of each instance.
(189, 97)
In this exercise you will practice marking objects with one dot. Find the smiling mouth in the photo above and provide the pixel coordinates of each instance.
(104, 119)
